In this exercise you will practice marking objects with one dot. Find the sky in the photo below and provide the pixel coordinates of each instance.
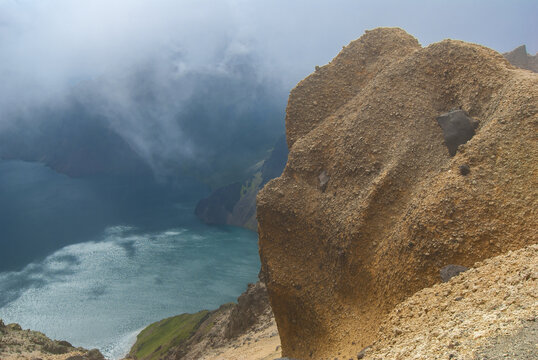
(49, 47)
(55, 42)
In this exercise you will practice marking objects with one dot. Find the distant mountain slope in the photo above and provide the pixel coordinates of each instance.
(72, 141)
(207, 125)
(235, 204)
(520, 58)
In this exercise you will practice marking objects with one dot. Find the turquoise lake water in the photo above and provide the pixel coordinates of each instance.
(125, 269)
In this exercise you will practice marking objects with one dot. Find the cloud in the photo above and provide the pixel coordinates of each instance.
(49, 46)
(52, 44)
(143, 67)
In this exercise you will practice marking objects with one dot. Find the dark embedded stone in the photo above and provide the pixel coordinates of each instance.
(323, 180)
(362, 353)
(465, 169)
(458, 128)
(449, 271)
(64, 343)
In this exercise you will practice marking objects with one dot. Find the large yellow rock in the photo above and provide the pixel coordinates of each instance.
(371, 205)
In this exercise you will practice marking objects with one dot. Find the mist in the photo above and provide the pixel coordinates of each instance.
(196, 87)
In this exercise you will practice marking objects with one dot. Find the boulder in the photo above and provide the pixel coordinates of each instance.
(338, 258)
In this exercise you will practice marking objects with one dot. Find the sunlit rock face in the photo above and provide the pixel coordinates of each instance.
(371, 204)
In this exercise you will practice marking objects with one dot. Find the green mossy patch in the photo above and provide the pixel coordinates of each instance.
(155, 340)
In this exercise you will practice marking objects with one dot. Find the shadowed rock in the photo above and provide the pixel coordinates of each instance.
(54, 347)
(458, 128)
(250, 305)
(449, 271)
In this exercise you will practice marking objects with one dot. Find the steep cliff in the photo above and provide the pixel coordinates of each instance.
(208, 333)
(373, 202)
(235, 204)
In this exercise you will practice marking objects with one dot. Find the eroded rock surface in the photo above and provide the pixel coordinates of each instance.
(338, 258)
(489, 312)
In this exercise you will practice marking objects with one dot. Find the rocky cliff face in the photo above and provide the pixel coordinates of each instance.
(207, 333)
(372, 205)
(235, 204)
(520, 58)
(19, 344)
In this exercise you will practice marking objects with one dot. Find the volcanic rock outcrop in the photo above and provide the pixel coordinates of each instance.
(395, 207)
(520, 58)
